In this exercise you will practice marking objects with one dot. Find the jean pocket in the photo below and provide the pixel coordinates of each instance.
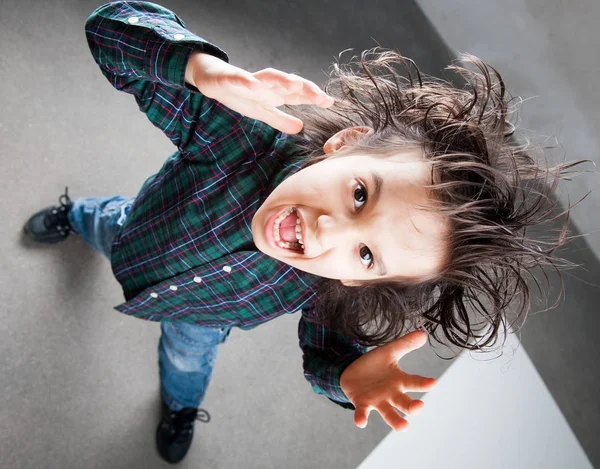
(225, 331)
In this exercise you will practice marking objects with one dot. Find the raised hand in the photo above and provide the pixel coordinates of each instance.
(255, 95)
(375, 382)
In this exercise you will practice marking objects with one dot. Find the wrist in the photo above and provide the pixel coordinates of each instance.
(343, 379)
(191, 66)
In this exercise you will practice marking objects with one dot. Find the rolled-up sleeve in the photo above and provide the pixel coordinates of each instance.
(143, 49)
(326, 354)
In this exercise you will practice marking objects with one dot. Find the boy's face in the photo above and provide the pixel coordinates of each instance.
(348, 232)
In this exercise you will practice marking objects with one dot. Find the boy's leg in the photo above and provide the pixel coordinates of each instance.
(187, 352)
(98, 219)
(186, 358)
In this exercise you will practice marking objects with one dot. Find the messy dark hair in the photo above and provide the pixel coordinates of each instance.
(490, 189)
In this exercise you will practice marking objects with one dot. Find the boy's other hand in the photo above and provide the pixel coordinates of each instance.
(255, 95)
(375, 382)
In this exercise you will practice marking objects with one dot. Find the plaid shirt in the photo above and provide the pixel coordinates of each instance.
(185, 252)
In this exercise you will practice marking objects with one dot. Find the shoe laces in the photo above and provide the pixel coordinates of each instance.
(68, 202)
(182, 422)
(58, 217)
(187, 415)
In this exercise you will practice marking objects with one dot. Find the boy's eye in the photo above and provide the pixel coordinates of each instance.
(360, 195)
(366, 256)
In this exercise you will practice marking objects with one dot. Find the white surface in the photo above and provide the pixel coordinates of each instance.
(489, 413)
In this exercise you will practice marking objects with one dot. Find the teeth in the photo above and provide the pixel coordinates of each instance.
(284, 214)
(277, 236)
(299, 233)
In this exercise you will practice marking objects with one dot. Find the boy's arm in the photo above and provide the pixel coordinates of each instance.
(143, 49)
(326, 355)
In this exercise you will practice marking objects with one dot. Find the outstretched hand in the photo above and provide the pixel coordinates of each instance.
(376, 382)
(256, 95)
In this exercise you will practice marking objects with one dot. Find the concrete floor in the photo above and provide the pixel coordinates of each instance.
(79, 380)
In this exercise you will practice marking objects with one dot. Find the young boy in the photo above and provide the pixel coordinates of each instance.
(382, 214)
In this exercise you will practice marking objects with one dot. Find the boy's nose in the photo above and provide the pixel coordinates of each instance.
(332, 232)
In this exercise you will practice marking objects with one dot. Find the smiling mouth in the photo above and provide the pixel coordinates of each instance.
(287, 231)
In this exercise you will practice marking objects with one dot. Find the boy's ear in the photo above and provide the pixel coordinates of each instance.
(346, 137)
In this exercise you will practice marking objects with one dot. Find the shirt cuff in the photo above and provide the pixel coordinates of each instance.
(170, 53)
(335, 393)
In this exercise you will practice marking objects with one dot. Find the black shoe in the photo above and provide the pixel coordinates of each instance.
(51, 225)
(176, 430)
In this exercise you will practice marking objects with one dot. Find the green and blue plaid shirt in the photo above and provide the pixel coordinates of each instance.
(185, 252)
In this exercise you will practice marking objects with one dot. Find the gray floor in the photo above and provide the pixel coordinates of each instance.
(79, 380)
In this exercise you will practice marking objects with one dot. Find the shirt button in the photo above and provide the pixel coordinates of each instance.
(197, 279)
(173, 287)
(227, 269)
(133, 20)
(153, 295)
(178, 37)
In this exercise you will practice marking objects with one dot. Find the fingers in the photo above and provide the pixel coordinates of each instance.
(262, 93)
(295, 84)
(416, 383)
(289, 81)
(388, 412)
(281, 121)
(272, 116)
(274, 95)
(275, 88)
(259, 94)
(361, 416)
(247, 80)
(392, 418)
(405, 404)
(406, 344)
(416, 407)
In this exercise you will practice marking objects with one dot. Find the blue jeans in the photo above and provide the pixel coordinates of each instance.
(186, 352)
